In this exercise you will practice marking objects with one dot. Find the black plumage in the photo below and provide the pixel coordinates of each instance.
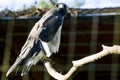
(50, 27)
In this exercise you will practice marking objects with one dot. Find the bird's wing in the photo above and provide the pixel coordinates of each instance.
(51, 34)
(55, 43)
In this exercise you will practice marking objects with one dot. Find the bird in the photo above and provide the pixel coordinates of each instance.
(42, 41)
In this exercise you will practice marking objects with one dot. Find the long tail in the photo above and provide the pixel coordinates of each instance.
(30, 54)
(17, 62)
(27, 67)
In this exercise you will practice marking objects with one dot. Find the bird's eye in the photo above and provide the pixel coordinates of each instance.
(57, 5)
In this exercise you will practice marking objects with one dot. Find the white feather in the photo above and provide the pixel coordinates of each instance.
(46, 48)
(55, 43)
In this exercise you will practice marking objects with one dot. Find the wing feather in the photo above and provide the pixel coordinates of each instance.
(55, 43)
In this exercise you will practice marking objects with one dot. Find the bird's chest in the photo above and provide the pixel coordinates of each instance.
(50, 27)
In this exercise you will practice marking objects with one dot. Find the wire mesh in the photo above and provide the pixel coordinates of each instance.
(81, 36)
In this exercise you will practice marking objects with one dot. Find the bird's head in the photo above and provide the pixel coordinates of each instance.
(61, 8)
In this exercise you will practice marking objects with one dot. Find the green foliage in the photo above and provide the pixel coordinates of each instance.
(45, 5)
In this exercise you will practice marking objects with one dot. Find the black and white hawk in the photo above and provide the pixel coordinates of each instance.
(43, 40)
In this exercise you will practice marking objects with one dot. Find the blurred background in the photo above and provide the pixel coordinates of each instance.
(95, 23)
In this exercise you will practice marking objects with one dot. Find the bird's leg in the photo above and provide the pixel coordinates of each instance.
(46, 59)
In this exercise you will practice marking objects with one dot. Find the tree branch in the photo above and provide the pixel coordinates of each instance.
(77, 63)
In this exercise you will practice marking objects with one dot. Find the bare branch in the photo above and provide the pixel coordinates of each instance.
(106, 50)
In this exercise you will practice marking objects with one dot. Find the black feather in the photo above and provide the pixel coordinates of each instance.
(50, 27)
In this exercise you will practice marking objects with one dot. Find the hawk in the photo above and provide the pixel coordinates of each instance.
(43, 40)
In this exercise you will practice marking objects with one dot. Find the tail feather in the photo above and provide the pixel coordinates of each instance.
(17, 63)
(27, 67)
(30, 54)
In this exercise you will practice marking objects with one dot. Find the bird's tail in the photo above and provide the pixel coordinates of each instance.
(24, 69)
(17, 63)
(27, 66)
(30, 55)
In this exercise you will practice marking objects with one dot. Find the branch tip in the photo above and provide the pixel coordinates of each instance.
(115, 49)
